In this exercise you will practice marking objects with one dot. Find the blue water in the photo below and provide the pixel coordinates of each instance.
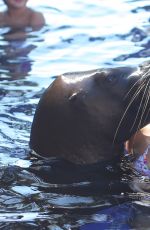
(79, 35)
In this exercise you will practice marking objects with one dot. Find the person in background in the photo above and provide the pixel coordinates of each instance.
(18, 15)
(20, 21)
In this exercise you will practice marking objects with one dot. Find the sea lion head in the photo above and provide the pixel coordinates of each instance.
(85, 117)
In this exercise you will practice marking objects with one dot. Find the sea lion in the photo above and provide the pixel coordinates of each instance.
(85, 117)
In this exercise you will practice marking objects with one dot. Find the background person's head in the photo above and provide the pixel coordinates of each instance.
(15, 4)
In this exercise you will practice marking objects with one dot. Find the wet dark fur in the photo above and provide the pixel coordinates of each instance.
(85, 117)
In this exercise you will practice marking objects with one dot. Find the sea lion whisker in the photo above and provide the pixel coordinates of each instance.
(144, 75)
(134, 85)
(139, 88)
(143, 110)
(146, 102)
(144, 78)
(148, 94)
(146, 91)
(127, 108)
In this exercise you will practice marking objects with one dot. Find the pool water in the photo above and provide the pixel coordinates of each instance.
(78, 35)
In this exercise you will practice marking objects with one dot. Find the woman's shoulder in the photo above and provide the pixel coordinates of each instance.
(37, 18)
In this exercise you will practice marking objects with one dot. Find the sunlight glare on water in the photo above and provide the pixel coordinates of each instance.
(100, 19)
